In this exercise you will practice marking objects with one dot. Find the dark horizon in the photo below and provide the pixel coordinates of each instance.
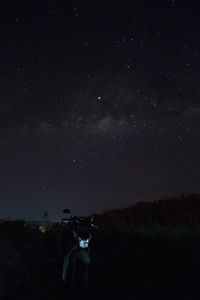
(100, 104)
(56, 216)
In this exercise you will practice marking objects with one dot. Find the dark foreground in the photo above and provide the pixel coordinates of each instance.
(124, 266)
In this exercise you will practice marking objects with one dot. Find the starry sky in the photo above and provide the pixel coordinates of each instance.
(99, 104)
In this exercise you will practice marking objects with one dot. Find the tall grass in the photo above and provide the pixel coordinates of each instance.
(153, 231)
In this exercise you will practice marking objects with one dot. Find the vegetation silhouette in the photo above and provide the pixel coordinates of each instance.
(149, 250)
(168, 211)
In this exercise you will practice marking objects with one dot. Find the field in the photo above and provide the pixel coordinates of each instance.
(147, 260)
(148, 263)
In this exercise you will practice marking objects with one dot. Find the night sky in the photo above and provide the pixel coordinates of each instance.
(99, 104)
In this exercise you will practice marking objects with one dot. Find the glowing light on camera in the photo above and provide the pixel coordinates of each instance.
(83, 243)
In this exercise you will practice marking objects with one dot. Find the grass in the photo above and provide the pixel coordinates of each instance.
(154, 231)
(147, 261)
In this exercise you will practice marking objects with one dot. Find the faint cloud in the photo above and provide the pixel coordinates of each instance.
(105, 123)
(109, 123)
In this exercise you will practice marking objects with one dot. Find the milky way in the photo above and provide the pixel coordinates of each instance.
(99, 105)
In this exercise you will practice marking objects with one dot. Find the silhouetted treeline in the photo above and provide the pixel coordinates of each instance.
(167, 211)
(14, 225)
